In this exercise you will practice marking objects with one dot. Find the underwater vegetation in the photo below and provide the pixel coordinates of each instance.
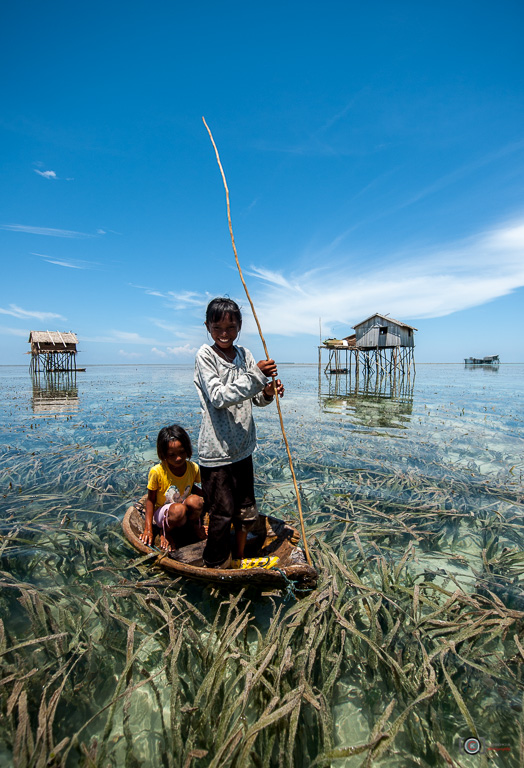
(412, 642)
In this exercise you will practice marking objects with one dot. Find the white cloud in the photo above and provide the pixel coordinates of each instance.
(128, 355)
(24, 314)
(275, 278)
(100, 232)
(172, 329)
(129, 337)
(46, 174)
(185, 351)
(122, 337)
(14, 331)
(158, 352)
(149, 291)
(462, 171)
(430, 283)
(65, 264)
(177, 299)
(70, 263)
(185, 299)
(43, 231)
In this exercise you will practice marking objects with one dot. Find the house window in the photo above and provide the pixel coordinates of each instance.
(384, 330)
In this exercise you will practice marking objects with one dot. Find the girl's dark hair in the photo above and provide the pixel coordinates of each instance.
(219, 307)
(174, 432)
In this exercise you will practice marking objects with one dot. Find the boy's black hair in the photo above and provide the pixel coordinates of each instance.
(174, 432)
(221, 306)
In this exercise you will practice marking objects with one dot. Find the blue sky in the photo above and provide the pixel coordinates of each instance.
(374, 154)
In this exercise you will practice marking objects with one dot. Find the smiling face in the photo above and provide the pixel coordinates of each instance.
(224, 331)
(176, 457)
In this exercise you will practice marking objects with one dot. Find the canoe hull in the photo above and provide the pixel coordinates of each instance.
(274, 537)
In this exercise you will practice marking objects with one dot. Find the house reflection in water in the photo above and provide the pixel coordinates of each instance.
(493, 367)
(56, 394)
(372, 401)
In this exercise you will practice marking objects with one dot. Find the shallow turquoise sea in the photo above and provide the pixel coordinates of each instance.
(103, 661)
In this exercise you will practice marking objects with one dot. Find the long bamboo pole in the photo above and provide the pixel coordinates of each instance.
(299, 504)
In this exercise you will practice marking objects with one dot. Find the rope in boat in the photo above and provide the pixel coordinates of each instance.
(292, 590)
(299, 504)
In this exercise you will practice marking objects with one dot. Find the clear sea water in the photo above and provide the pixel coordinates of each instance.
(77, 451)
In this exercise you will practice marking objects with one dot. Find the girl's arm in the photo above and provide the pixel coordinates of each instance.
(267, 395)
(269, 392)
(223, 395)
(269, 369)
(147, 536)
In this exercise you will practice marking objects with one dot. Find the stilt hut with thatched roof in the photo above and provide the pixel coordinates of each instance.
(53, 351)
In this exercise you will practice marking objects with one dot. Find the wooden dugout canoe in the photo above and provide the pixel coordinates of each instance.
(270, 537)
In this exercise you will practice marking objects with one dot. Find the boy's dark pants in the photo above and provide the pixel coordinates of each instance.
(229, 497)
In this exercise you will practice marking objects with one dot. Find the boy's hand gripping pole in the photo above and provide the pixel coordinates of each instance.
(299, 505)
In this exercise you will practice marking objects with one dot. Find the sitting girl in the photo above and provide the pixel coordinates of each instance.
(173, 499)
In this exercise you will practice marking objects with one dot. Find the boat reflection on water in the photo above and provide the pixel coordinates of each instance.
(493, 367)
(370, 401)
(55, 394)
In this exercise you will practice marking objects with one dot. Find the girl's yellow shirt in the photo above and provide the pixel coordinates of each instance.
(169, 487)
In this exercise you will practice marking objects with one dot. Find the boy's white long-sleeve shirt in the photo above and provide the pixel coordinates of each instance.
(227, 391)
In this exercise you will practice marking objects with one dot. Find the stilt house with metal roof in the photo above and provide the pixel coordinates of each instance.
(380, 344)
(382, 332)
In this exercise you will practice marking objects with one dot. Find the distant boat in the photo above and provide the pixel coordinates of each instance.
(488, 360)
